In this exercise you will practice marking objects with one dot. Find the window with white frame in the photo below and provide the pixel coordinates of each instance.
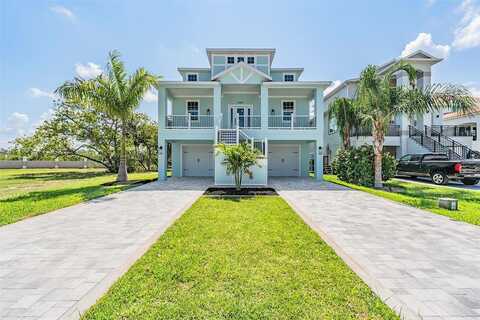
(192, 77)
(240, 59)
(230, 60)
(288, 110)
(288, 77)
(251, 60)
(193, 109)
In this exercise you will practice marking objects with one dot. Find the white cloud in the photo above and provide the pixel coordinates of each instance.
(150, 96)
(332, 87)
(424, 42)
(87, 71)
(430, 2)
(63, 12)
(467, 33)
(17, 123)
(36, 92)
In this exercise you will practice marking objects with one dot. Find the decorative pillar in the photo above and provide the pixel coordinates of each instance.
(264, 106)
(319, 150)
(162, 147)
(217, 106)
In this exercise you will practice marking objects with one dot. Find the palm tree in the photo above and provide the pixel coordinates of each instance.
(379, 101)
(238, 159)
(114, 93)
(346, 116)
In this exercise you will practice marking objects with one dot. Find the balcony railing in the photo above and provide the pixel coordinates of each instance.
(291, 122)
(247, 122)
(455, 131)
(189, 122)
(392, 131)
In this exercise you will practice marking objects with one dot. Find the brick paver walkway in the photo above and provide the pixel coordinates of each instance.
(425, 266)
(56, 265)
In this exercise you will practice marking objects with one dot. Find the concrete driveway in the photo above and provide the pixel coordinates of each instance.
(56, 265)
(423, 265)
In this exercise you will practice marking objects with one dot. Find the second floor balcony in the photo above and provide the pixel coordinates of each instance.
(393, 130)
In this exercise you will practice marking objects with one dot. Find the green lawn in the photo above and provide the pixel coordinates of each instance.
(426, 197)
(240, 259)
(29, 192)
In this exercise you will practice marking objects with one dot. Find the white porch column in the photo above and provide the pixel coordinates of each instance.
(264, 106)
(217, 106)
(319, 149)
(404, 119)
(162, 147)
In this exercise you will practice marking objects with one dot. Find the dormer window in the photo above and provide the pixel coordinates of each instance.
(192, 77)
(230, 60)
(251, 60)
(288, 77)
(240, 59)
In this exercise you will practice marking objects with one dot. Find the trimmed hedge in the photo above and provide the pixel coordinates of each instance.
(355, 165)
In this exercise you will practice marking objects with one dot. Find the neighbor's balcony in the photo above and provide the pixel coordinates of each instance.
(292, 122)
(189, 122)
(392, 131)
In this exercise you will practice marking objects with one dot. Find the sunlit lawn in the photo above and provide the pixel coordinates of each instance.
(425, 196)
(29, 192)
(240, 259)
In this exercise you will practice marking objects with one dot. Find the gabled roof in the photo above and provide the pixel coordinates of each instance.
(238, 65)
(456, 115)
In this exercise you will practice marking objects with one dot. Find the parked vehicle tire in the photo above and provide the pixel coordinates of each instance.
(413, 177)
(470, 182)
(439, 178)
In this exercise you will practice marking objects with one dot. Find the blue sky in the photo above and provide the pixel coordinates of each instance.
(43, 43)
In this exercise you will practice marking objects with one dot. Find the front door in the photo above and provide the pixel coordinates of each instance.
(240, 115)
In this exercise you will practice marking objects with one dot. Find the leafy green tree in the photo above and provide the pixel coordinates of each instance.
(112, 92)
(379, 100)
(238, 160)
(346, 116)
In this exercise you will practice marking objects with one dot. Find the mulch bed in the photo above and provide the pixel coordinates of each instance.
(217, 191)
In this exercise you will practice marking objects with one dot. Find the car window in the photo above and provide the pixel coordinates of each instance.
(415, 157)
(435, 157)
(406, 158)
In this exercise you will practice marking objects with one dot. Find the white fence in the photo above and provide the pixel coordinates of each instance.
(47, 164)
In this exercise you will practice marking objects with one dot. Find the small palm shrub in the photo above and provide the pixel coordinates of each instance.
(356, 165)
(238, 159)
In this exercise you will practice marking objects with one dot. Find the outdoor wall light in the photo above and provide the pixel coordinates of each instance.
(161, 147)
(208, 111)
(273, 111)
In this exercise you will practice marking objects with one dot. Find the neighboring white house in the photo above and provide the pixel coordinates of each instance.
(422, 133)
(240, 97)
(463, 127)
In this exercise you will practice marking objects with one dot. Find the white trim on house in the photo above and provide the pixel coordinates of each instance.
(238, 65)
(232, 106)
(297, 84)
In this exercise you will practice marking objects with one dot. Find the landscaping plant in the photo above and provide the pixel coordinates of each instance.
(356, 165)
(112, 92)
(346, 116)
(238, 159)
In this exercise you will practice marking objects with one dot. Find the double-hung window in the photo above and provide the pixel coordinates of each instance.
(240, 59)
(192, 77)
(230, 60)
(288, 110)
(193, 110)
(251, 60)
(289, 77)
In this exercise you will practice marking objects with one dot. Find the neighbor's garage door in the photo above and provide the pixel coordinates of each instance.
(283, 160)
(197, 160)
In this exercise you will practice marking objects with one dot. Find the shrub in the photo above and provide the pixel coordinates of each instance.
(355, 165)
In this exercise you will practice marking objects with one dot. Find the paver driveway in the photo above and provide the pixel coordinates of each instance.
(55, 265)
(424, 265)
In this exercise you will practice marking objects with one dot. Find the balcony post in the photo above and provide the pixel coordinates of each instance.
(189, 120)
(217, 106)
(263, 107)
(291, 121)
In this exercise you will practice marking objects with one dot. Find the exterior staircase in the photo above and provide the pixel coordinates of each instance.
(236, 136)
(435, 141)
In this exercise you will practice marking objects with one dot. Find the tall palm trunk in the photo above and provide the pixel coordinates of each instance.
(378, 139)
(346, 138)
(122, 168)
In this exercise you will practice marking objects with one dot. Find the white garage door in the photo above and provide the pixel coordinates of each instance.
(197, 160)
(283, 160)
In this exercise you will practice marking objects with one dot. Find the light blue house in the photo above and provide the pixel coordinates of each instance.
(241, 98)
